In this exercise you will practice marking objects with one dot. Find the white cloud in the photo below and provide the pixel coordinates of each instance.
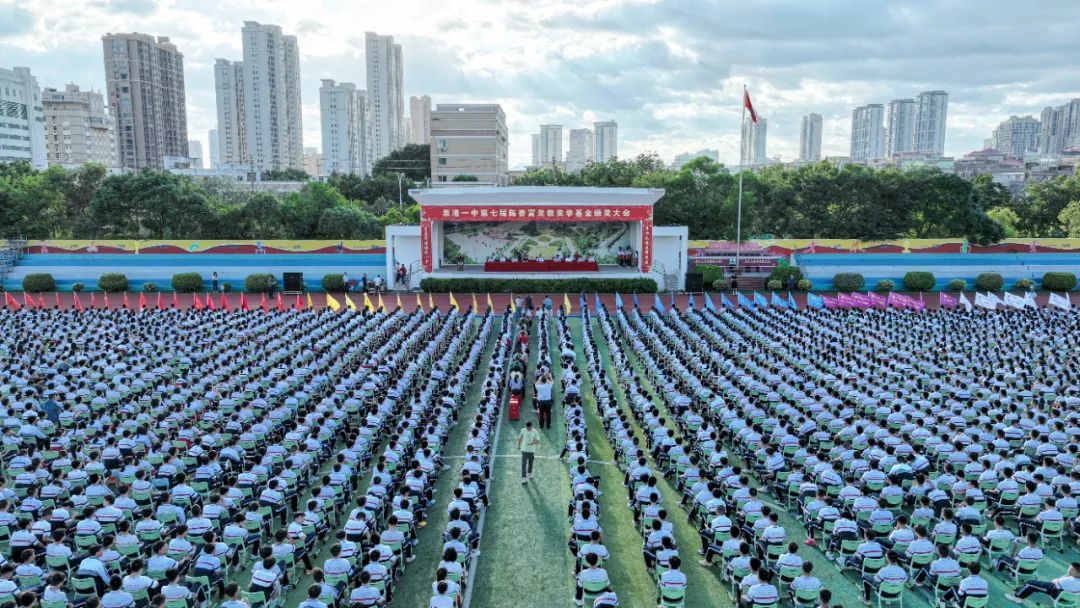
(670, 71)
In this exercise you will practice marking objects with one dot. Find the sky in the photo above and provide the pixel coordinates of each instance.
(669, 71)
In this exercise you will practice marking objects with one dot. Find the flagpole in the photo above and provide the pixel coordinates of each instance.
(738, 217)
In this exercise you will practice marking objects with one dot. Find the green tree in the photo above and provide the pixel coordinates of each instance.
(30, 206)
(1007, 218)
(348, 222)
(414, 160)
(370, 189)
(465, 178)
(1041, 203)
(302, 211)
(1070, 219)
(285, 175)
(405, 216)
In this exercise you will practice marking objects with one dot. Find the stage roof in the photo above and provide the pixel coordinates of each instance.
(537, 195)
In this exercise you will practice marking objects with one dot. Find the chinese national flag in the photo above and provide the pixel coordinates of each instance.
(299, 303)
(142, 300)
(224, 302)
(57, 294)
(78, 304)
(196, 303)
(243, 302)
(265, 305)
(105, 295)
(175, 300)
(280, 303)
(127, 303)
(161, 301)
(93, 300)
(41, 301)
(12, 303)
(749, 106)
(209, 301)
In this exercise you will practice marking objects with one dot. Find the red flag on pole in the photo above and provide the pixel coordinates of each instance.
(127, 303)
(749, 106)
(299, 303)
(243, 302)
(27, 300)
(209, 302)
(93, 300)
(175, 300)
(106, 296)
(57, 294)
(12, 303)
(264, 304)
(160, 301)
(78, 304)
(41, 301)
(196, 303)
(280, 303)
(142, 301)
(224, 302)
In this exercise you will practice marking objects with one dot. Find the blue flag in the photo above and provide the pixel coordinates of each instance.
(581, 303)
(745, 302)
(635, 300)
(814, 301)
(596, 302)
(690, 303)
(618, 300)
(760, 300)
(673, 298)
(725, 302)
(778, 301)
(708, 302)
(658, 305)
(791, 301)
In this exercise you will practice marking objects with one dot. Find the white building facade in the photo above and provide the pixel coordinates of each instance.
(606, 138)
(420, 120)
(867, 132)
(900, 126)
(271, 98)
(343, 111)
(212, 141)
(385, 89)
(932, 113)
(581, 150)
(22, 121)
(551, 145)
(1017, 136)
(231, 121)
(78, 128)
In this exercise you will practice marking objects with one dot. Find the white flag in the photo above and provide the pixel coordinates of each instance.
(1014, 301)
(985, 301)
(1061, 302)
(965, 302)
(1029, 299)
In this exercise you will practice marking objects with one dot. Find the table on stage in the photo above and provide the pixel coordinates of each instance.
(546, 266)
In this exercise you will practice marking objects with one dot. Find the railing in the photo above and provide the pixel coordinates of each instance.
(10, 254)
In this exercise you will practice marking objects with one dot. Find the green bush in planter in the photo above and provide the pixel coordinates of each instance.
(719, 285)
(774, 285)
(885, 285)
(113, 282)
(149, 287)
(187, 282)
(38, 282)
(334, 283)
(848, 281)
(781, 273)
(226, 287)
(957, 285)
(77, 287)
(260, 283)
(989, 281)
(804, 285)
(1024, 284)
(919, 281)
(709, 273)
(1059, 281)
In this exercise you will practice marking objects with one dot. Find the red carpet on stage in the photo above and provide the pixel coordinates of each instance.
(532, 266)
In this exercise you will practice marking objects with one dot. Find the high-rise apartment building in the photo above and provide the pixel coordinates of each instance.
(312, 161)
(271, 98)
(22, 121)
(932, 112)
(212, 142)
(195, 153)
(1017, 136)
(551, 148)
(606, 140)
(145, 89)
(810, 138)
(1060, 128)
(900, 126)
(581, 150)
(385, 89)
(867, 131)
(420, 120)
(535, 149)
(343, 110)
(78, 128)
(232, 127)
(754, 144)
(469, 140)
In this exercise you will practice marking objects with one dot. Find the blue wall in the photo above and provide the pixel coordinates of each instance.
(821, 267)
(159, 268)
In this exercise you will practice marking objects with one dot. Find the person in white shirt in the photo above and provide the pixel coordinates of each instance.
(1069, 583)
(592, 575)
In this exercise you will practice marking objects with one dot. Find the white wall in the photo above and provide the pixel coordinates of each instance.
(403, 247)
(669, 249)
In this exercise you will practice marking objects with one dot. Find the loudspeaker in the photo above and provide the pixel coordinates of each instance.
(695, 281)
(294, 282)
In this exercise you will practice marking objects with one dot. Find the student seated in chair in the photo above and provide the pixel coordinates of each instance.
(1070, 583)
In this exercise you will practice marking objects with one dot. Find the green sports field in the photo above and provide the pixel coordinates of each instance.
(524, 560)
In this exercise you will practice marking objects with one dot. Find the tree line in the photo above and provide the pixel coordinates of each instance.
(811, 201)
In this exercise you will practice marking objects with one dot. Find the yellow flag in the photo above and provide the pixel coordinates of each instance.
(566, 302)
(513, 308)
(333, 303)
(490, 305)
(349, 303)
(381, 305)
(310, 304)
(475, 304)
(430, 302)
(367, 303)
(399, 300)
(453, 301)
(419, 304)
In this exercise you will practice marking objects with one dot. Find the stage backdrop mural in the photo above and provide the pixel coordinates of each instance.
(479, 242)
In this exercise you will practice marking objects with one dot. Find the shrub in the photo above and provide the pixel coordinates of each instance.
(1024, 284)
(149, 287)
(774, 285)
(77, 287)
(187, 282)
(709, 273)
(957, 285)
(38, 282)
(1059, 281)
(113, 282)
(848, 281)
(569, 286)
(989, 281)
(260, 283)
(333, 283)
(885, 285)
(804, 285)
(719, 285)
(781, 273)
(226, 287)
(919, 281)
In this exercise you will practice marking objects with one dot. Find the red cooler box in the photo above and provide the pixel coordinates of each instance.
(515, 407)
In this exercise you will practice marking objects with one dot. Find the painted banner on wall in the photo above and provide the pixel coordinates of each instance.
(205, 246)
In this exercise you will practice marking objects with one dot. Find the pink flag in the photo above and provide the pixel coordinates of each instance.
(843, 300)
(895, 300)
(830, 302)
(947, 301)
(877, 300)
(860, 300)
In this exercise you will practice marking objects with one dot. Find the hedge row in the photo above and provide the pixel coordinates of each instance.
(987, 281)
(538, 285)
(187, 282)
(38, 282)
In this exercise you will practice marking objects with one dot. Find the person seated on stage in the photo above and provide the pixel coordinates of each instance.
(539, 258)
(558, 257)
(591, 258)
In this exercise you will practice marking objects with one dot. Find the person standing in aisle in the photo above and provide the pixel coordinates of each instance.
(543, 387)
(528, 440)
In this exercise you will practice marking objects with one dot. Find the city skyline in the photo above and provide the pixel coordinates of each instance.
(648, 78)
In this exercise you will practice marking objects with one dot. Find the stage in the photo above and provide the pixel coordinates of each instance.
(476, 271)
